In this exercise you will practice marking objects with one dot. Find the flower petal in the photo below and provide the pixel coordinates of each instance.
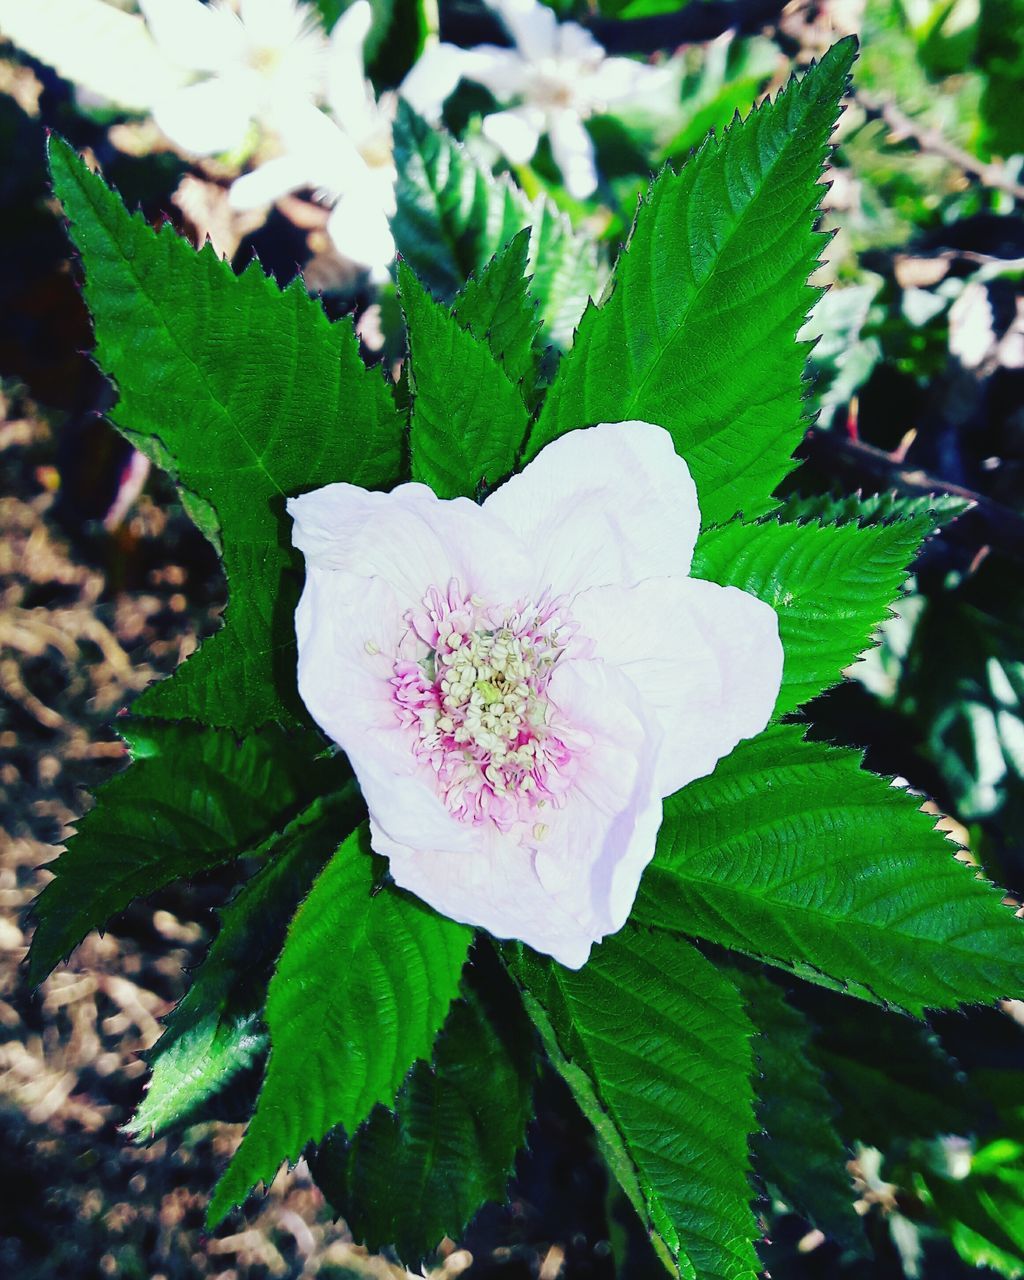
(270, 181)
(411, 539)
(532, 25)
(608, 505)
(706, 660)
(573, 151)
(515, 132)
(198, 36)
(562, 889)
(346, 78)
(349, 630)
(211, 116)
(359, 229)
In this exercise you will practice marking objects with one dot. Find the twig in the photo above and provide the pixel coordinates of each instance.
(934, 143)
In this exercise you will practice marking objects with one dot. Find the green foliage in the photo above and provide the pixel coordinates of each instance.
(468, 420)
(983, 1209)
(416, 1173)
(798, 1153)
(792, 853)
(698, 332)
(831, 585)
(655, 1045)
(496, 308)
(193, 799)
(362, 986)
(940, 508)
(453, 216)
(216, 1033)
(245, 394)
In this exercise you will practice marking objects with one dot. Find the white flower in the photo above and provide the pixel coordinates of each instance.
(557, 71)
(346, 159)
(518, 685)
(254, 61)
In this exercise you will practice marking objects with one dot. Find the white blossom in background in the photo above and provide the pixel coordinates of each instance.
(518, 685)
(250, 62)
(346, 157)
(557, 74)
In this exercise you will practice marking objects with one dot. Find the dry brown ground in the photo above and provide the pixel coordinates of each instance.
(80, 1200)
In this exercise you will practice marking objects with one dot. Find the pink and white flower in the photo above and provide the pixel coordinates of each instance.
(518, 685)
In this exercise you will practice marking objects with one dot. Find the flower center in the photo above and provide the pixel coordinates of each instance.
(475, 699)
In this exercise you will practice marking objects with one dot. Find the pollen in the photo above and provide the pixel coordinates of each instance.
(475, 701)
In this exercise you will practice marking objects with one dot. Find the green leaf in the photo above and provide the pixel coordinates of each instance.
(984, 1211)
(654, 1040)
(831, 585)
(468, 420)
(216, 1033)
(453, 215)
(940, 508)
(247, 394)
(193, 799)
(799, 1152)
(890, 1076)
(411, 1176)
(363, 984)
(496, 308)
(698, 333)
(791, 852)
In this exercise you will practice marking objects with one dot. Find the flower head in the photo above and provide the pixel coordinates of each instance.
(558, 75)
(345, 157)
(251, 60)
(518, 685)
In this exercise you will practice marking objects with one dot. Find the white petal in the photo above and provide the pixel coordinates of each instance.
(276, 24)
(349, 630)
(411, 539)
(269, 182)
(531, 24)
(491, 885)
(577, 43)
(102, 50)
(437, 72)
(198, 36)
(573, 151)
(359, 229)
(208, 117)
(346, 76)
(329, 158)
(574, 883)
(598, 845)
(432, 79)
(609, 505)
(707, 661)
(515, 132)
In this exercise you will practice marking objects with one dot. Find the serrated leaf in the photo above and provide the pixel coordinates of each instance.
(216, 1034)
(364, 982)
(193, 799)
(791, 852)
(411, 1176)
(831, 585)
(662, 1038)
(495, 306)
(453, 215)
(890, 1076)
(698, 332)
(249, 394)
(940, 508)
(468, 420)
(799, 1152)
